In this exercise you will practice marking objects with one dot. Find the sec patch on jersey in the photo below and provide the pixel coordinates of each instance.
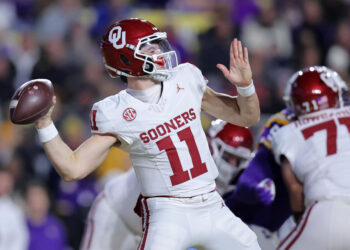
(31, 101)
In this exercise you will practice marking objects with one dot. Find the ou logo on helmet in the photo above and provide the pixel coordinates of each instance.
(117, 37)
(329, 81)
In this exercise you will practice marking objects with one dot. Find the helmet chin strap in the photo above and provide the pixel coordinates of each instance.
(159, 77)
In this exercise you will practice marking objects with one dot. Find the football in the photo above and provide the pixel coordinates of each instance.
(31, 101)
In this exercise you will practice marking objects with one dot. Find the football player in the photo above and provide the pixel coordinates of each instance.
(314, 154)
(231, 148)
(112, 222)
(156, 120)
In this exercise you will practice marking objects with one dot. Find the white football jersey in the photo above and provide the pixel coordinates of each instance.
(317, 146)
(166, 142)
(121, 193)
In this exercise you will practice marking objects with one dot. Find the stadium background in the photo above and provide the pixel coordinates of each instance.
(59, 40)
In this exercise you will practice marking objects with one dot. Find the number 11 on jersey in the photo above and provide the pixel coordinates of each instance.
(181, 176)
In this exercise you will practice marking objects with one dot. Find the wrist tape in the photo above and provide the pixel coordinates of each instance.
(48, 133)
(246, 91)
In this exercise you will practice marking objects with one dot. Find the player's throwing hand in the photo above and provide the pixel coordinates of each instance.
(46, 119)
(239, 73)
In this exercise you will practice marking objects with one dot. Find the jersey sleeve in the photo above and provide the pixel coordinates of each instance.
(200, 80)
(285, 142)
(272, 126)
(100, 120)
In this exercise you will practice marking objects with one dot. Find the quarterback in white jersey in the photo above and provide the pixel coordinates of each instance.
(156, 120)
(112, 222)
(162, 134)
(314, 151)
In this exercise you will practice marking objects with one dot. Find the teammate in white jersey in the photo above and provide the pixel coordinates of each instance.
(156, 120)
(314, 151)
(112, 222)
(232, 148)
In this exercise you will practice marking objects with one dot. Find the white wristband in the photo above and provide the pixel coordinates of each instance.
(246, 91)
(48, 133)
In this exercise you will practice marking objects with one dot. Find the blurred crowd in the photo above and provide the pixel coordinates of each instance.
(59, 40)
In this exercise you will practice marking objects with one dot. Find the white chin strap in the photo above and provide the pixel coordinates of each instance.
(160, 77)
(157, 77)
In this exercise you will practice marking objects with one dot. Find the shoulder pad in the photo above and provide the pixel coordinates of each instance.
(197, 72)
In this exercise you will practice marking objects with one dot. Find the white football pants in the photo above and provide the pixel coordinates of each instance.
(325, 225)
(270, 240)
(105, 230)
(267, 240)
(202, 222)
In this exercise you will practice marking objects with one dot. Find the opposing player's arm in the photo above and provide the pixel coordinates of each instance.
(74, 165)
(294, 187)
(244, 109)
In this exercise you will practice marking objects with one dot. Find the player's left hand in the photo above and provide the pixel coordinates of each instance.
(239, 73)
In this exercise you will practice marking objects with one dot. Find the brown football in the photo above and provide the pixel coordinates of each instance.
(31, 101)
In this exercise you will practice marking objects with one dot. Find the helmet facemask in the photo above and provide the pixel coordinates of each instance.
(231, 148)
(222, 153)
(160, 60)
(340, 84)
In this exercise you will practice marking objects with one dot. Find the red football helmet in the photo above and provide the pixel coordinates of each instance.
(123, 53)
(314, 88)
(227, 141)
